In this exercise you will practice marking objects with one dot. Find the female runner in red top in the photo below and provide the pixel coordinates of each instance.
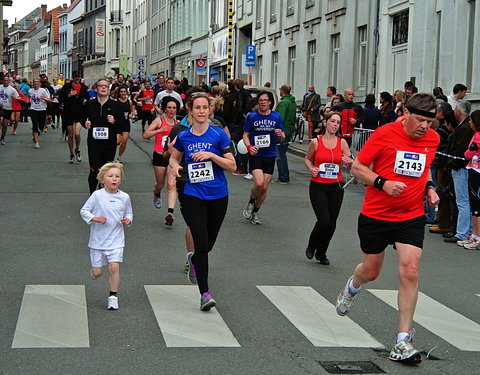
(325, 157)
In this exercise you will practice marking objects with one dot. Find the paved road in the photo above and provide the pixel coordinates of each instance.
(275, 310)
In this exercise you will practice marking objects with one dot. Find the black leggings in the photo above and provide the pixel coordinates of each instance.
(204, 217)
(38, 120)
(98, 155)
(326, 199)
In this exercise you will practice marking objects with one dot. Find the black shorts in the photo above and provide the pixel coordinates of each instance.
(266, 164)
(124, 127)
(375, 235)
(7, 113)
(158, 160)
(70, 118)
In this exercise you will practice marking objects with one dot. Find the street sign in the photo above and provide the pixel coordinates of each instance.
(201, 63)
(251, 53)
(141, 67)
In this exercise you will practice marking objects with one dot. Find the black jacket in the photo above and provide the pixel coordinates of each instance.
(458, 144)
(73, 103)
(97, 114)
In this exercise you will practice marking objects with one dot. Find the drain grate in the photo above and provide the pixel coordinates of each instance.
(356, 367)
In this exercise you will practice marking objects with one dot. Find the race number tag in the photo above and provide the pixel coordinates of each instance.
(100, 133)
(262, 140)
(200, 172)
(328, 170)
(410, 163)
(164, 141)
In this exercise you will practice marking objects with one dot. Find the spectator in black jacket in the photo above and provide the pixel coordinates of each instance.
(460, 140)
(373, 116)
(72, 97)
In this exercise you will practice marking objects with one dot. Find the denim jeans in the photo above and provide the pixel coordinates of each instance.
(282, 162)
(464, 221)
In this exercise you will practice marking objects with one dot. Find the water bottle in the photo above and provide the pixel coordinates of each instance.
(475, 161)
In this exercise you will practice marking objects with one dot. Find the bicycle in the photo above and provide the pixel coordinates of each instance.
(299, 130)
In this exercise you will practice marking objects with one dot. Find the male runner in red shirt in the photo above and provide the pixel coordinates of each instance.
(392, 211)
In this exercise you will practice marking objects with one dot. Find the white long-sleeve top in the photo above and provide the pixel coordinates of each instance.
(114, 207)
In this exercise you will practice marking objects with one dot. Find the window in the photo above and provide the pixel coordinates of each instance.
(274, 68)
(335, 56)
(258, 15)
(291, 66)
(117, 42)
(260, 70)
(273, 10)
(470, 44)
(400, 28)
(362, 56)
(311, 54)
(290, 7)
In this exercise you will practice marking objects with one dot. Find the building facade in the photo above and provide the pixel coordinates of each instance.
(368, 45)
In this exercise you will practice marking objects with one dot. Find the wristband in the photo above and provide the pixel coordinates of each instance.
(249, 147)
(430, 185)
(379, 182)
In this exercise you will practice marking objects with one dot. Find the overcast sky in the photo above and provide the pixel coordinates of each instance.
(21, 8)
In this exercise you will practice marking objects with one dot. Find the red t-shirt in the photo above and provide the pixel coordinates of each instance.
(77, 88)
(147, 104)
(161, 138)
(329, 162)
(396, 156)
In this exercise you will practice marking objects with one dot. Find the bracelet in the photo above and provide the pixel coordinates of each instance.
(249, 147)
(379, 182)
(429, 185)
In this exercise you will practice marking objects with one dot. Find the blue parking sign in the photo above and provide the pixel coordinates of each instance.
(251, 52)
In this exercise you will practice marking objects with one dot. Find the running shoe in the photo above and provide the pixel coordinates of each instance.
(37, 145)
(72, 159)
(169, 219)
(191, 275)
(248, 211)
(53, 126)
(157, 201)
(206, 301)
(462, 243)
(345, 300)
(2, 141)
(255, 219)
(45, 129)
(112, 303)
(77, 155)
(473, 245)
(186, 267)
(248, 176)
(119, 160)
(405, 352)
(14, 132)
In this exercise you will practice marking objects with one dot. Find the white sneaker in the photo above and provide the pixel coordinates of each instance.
(2, 141)
(255, 219)
(157, 201)
(248, 211)
(405, 352)
(345, 300)
(473, 245)
(112, 303)
(37, 145)
(462, 243)
(248, 176)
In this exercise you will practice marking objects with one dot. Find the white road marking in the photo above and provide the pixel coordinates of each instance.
(52, 316)
(316, 318)
(439, 319)
(177, 310)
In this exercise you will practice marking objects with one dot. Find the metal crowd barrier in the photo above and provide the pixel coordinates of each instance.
(359, 137)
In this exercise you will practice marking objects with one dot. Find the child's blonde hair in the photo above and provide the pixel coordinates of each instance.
(107, 167)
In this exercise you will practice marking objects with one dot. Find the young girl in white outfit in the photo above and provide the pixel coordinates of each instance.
(106, 211)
